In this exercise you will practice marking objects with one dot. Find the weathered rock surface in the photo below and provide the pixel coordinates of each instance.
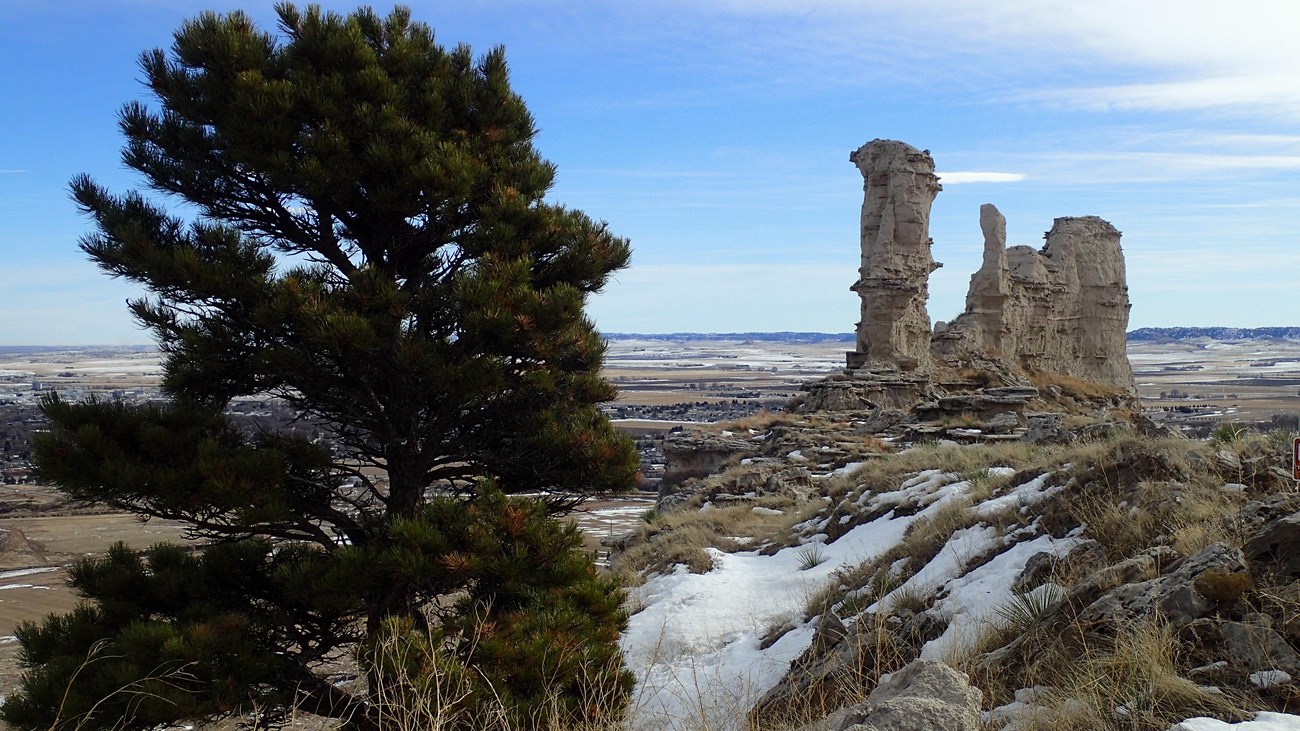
(1045, 428)
(893, 281)
(1059, 310)
(1063, 309)
(1174, 596)
(1248, 646)
(1276, 548)
(696, 454)
(782, 460)
(865, 391)
(924, 696)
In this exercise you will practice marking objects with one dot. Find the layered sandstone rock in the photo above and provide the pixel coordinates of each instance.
(1061, 310)
(893, 280)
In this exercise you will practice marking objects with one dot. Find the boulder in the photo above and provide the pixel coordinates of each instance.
(1275, 549)
(1246, 646)
(1003, 423)
(1045, 428)
(925, 695)
(1173, 595)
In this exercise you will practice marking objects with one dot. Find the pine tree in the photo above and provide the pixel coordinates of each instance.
(369, 243)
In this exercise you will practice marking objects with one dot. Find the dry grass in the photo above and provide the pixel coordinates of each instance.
(683, 537)
(873, 647)
(926, 537)
(765, 420)
(883, 475)
(1130, 493)
(1076, 388)
(1130, 680)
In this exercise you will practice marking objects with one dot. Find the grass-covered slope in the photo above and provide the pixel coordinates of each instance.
(1125, 582)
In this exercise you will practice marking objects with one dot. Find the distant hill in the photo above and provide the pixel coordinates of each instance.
(1173, 334)
(773, 337)
(19, 349)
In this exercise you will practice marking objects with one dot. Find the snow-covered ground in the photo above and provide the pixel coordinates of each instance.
(695, 643)
(1264, 721)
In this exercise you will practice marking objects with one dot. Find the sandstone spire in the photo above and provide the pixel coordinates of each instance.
(893, 281)
(1063, 309)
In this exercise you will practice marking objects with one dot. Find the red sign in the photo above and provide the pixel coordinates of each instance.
(1295, 458)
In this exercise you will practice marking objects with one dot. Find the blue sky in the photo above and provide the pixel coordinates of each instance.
(715, 135)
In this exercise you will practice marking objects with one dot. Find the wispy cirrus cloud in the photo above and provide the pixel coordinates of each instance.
(1246, 94)
(1102, 55)
(11, 171)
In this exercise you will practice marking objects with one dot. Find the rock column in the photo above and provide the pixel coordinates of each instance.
(893, 281)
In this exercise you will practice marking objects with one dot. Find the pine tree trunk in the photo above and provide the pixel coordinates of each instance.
(406, 483)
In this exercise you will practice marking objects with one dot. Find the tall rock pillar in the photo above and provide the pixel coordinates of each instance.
(893, 281)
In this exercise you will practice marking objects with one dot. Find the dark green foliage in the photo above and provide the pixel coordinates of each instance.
(372, 245)
(177, 634)
(538, 648)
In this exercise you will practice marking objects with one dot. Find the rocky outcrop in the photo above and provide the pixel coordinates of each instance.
(924, 696)
(1062, 310)
(1059, 310)
(1176, 596)
(697, 454)
(782, 459)
(893, 280)
(1275, 550)
(866, 391)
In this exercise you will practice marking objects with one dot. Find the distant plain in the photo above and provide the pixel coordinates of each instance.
(1223, 380)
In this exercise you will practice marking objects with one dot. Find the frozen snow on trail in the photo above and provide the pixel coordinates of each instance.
(26, 572)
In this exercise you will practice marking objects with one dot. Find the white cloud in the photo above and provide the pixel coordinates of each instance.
(1160, 55)
(962, 177)
(1277, 94)
(11, 171)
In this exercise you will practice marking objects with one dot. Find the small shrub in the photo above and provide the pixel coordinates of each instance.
(1026, 608)
(855, 604)
(908, 599)
(1224, 588)
(810, 556)
(1227, 433)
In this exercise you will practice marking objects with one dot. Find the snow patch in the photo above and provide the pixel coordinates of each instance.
(1269, 678)
(1264, 721)
(695, 645)
(27, 572)
(973, 599)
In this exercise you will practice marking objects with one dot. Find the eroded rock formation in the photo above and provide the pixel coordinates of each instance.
(1062, 310)
(1059, 310)
(893, 281)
